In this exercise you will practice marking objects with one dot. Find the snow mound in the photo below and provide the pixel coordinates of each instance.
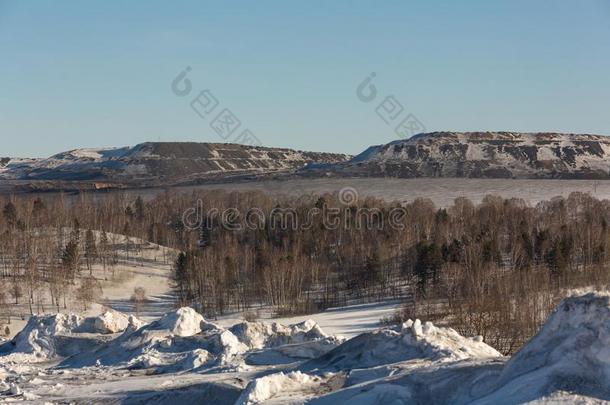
(133, 324)
(183, 322)
(180, 340)
(183, 340)
(231, 346)
(111, 322)
(38, 336)
(47, 336)
(264, 388)
(414, 340)
(570, 353)
(259, 335)
(568, 361)
(274, 343)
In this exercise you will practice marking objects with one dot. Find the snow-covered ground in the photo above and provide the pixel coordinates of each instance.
(441, 191)
(139, 264)
(163, 354)
(346, 321)
(184, 358)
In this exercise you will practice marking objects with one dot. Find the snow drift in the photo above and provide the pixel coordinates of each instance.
(567, 361)
(184, 340)
(570, 353)
(111, 322)
(275, 343)
(47, 336)
(259, 335)
(264, 388)
(38, 335)
(413, 340)
(173, 339)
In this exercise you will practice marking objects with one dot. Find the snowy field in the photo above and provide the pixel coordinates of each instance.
(139, 264)
(441, 191)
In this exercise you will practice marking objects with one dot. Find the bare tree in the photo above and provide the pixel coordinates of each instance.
(138, 298)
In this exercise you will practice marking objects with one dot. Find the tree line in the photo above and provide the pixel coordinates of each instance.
(493, 269)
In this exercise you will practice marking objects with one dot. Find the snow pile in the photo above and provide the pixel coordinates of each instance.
(275, 343)
(259, 335)
(111, 322)
(38, 337)
(47, 336)
(568, 361)
(180, 340)
(133, 324)
(264, 388)
(183, 322)
(414, 340)
(570, 353)
(230, 346)
(184, 340)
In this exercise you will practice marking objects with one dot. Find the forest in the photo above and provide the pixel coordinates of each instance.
(494, 269)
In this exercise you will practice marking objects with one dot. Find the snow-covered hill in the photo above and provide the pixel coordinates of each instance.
(487, 154)
(162, 160)
(437, 154)
(11, 168)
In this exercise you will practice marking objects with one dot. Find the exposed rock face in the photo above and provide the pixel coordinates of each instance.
(436, 154)
(165, 161)
(487, 154)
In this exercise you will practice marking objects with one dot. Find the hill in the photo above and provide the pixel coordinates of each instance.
(486, 155)
(167, 161)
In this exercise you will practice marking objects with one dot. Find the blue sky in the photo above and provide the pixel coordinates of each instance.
(94, 74)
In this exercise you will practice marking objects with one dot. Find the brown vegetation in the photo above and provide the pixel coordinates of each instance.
(495, 269)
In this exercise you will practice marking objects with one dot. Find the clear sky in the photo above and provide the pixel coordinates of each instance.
(99, 73)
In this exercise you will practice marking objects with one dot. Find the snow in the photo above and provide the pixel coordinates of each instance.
(267, 387)
(111, 322)
(145, 265)
(441, 191)
(38, 336)
(46, 336)
(347, 321)
(414, 340)
(258, 335)
(571, 352)
(183, 322)
(381, 393)
(183, 340)
(566, 362)
(178, 356)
